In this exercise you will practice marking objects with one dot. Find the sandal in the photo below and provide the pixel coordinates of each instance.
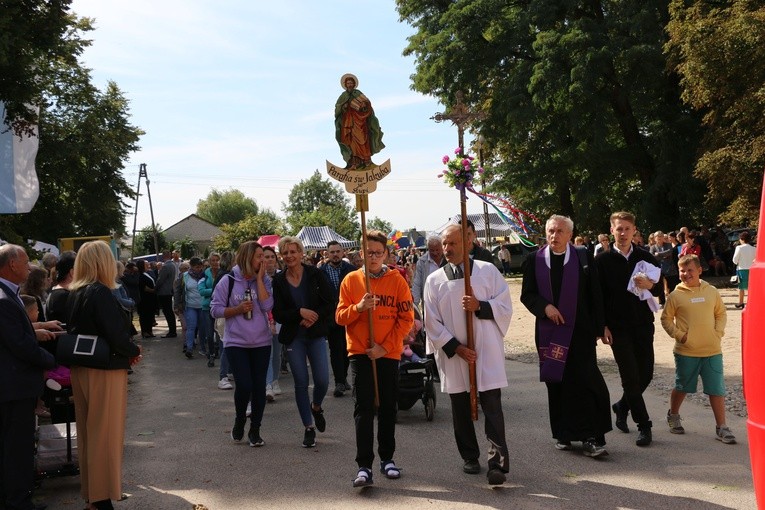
(389, 469)
(363, 478)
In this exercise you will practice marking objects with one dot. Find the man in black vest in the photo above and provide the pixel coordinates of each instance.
(22, 362)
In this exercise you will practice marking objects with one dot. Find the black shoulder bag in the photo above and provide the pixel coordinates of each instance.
(75, 349)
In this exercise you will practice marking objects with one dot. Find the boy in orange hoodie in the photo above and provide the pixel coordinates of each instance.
(388, 305)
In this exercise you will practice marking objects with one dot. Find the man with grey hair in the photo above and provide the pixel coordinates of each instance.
(426, 265)
(22, 362)
(562, 289)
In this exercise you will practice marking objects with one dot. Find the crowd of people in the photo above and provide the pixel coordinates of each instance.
(262, 312)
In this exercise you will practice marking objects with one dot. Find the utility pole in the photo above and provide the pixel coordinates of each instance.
(142, 175)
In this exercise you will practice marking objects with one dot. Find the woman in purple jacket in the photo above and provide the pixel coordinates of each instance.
(244, 298)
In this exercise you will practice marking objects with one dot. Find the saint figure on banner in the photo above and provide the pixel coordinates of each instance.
(357, 129)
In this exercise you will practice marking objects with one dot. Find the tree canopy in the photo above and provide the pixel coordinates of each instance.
(380, 224)
(575, 99)
(250, 228)
(226, 207)
(85, 138)
(719, 50)
(316, 202)
(32, 32)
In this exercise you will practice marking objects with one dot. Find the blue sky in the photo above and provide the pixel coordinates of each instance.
(241, 94)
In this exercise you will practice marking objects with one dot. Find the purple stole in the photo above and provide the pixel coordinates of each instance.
(554, 340)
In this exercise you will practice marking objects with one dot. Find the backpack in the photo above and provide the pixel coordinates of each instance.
(220, 322)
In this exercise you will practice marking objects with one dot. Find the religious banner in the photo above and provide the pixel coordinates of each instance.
(359, 136)
(19, 187)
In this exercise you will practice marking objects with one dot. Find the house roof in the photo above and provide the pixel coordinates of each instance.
(193, 227)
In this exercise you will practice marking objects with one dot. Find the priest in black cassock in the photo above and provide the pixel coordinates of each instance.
(562, 290)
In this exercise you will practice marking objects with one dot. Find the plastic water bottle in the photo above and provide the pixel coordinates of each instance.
(248, 297)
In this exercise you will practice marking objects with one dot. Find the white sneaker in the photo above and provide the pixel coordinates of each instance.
(269, 393)
(230, 377)
(249, 409)
(276, 388)
(224, 384)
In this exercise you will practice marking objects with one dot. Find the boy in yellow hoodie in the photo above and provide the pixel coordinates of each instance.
(694, 316)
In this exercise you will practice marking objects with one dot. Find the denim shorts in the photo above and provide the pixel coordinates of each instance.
(710, 368)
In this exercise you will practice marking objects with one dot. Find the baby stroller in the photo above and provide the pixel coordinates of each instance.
(56, 443)
(416, 382)
(416, 373)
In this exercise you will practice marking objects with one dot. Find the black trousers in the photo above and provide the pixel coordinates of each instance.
(166, 304)
(146, 318)
(494, 427)
(364, 408)
(633, 352)
(338, 353)
(17, 446)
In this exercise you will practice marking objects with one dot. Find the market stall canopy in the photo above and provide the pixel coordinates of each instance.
(316, 238)
(497, 227)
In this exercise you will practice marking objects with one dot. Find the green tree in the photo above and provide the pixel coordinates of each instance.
(248, 229)
(31, 32)
(380, 224)
(144, 241)
(316, 202)
(718, 49)
(185, 247)
(85, 138)
(574, 99)
(231, 206)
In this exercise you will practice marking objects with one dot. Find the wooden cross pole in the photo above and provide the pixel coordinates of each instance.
(461, 116)
(469, 314)
(362, 205)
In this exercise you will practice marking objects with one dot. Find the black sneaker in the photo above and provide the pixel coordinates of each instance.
(189, 354)
(210, 363)
(237, 433)
(318, 419)
(471, 467)
(495, 476)
(563, 445)
(254, 437)
(644, 437)
(621, 417)
(309, 439)
(592, 449)
(339, 390)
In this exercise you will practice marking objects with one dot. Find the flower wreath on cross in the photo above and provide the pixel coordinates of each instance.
(460, 170)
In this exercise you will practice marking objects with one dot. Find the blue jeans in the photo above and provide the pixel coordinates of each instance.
(207, 334)
(196, 318)
(276, 360)
(314, 350)
(224, 369)
(249, 367)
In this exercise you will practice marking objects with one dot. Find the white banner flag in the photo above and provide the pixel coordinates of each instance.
(19, 187)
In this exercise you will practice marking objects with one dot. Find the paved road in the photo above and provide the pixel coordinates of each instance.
(178, 453)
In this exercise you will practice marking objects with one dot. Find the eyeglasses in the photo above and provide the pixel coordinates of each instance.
(375, 254)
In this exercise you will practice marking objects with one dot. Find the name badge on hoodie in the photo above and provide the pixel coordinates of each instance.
(697, 300)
